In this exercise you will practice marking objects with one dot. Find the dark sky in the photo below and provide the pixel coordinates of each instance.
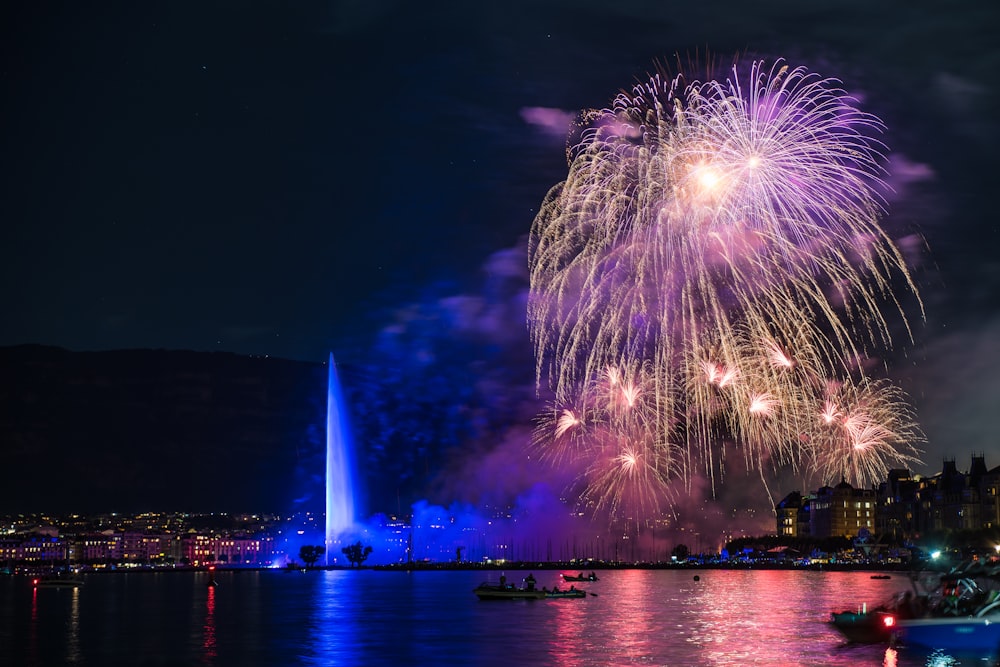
(291, 178)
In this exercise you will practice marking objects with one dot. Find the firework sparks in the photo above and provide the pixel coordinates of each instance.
(763, 404)
(566, 421)
(627, 468)
(870, 432)
(830, 412)
(723, 236)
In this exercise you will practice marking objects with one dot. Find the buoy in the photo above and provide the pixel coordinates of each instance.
(697, 578)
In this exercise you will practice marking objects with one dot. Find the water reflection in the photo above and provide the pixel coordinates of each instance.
(940, 658)
(725, 608)
(376, 619)
(332, 619)
(208, 644)
(33, 629)
(630, 632)
(73, 628)
(569, 627)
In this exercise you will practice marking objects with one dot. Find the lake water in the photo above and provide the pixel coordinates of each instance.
(374, 618)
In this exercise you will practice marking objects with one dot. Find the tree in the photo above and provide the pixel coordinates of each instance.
(680, 552)
(311, 554)
(356, 554)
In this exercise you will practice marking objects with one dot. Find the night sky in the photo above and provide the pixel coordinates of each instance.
(295, 178)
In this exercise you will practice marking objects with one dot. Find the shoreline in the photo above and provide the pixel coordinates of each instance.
(569, 567)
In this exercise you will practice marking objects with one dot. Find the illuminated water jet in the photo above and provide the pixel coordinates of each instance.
(339, 464)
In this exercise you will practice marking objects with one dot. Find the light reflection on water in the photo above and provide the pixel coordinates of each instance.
(208, 643)
(631, 632)
(570, 629)
(73, 628)
(630, 617)
(335, 605)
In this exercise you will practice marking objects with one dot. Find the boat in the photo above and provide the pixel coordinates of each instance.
(864, 627)
(57, 577)
(56, 582)
(881, 576)
(978, 632)
(488, 591)
(580, 577)
(878, 624)
(571, 593)
(506, 591)
(956, 610)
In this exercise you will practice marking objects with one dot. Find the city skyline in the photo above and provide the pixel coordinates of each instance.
(954, 508)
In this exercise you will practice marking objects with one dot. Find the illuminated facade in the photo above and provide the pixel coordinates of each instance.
(120, 549)
(787, 512)
(905, 506)
(842, 511)
(236, 551)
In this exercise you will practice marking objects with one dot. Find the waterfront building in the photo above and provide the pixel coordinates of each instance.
(38, 549)
(96, 548)
(899, 509)
(787, 512)
(10, 549)
(255, 551)
(990, 484)
(903, 507)
(841, 511)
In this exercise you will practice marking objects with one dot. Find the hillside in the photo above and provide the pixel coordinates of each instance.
(133, 430)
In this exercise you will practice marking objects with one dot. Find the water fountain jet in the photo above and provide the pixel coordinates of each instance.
(340, 513)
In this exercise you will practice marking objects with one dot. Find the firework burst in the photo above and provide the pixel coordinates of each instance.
(861, 431)
(723, 235)
(625, 464)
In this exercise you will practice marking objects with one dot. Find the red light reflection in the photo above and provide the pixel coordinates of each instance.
(568, 617)
(208, 629)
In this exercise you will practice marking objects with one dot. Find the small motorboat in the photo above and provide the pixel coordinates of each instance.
(56, 582)
(580, 577)
(571, 593)
(979, 632)
(878, 624)
(864, 627)
(506, 591)
(487, 591)
(954, 614)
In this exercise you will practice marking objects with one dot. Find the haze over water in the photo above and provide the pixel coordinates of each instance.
(374, 618)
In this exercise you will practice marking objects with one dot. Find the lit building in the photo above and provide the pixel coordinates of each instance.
(905, 506)
(247, 551)
(840, 511)
(787, 512)
(899, 510)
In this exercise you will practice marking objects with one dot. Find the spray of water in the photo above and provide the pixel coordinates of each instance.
(339, 464)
